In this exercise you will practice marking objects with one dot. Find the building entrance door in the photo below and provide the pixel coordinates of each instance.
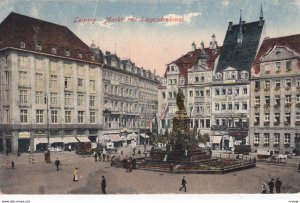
(297, 145)
(23, 145)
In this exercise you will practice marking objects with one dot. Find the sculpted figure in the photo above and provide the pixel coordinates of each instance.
(180, 100)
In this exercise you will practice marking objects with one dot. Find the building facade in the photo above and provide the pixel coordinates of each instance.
(49, 86)
(230, 83)
(193, 74)
(275, 100)
(130, 97)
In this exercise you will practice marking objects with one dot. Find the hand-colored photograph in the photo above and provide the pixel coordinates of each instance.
(172, 97)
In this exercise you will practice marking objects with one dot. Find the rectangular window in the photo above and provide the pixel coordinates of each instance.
(267, 84)
(67, 53)
(207, 123)
(54, 116)
(197, 93)
(298, 82)
(257, 84)
(267, 100)
(201, 123)
(223, 92)
(288, 118)
(223, 106)
(53, 98)
(23, 116)
(229, 91)
(191, 93)
(38, 47)
(23, 97)
(68, 116)
(277, 66)
(6, 77)
(277, 84)
(80, 82)
(53, 50)
(174, 81)
(236, 91)
(22, 45)
(288, 83)
(196, 79)
(53, 81)
(257, 100)
(170, 94)
(67, 82)
(208, 93)
(236, 106)
(92, 101)
(245, 106)
(92, 85)
(39, 79)
(92, 117)
(80, 100)
(39, 98)
(80, 55)
(217, 107)
(39, 116)
(163, 95)
(256, 138)
(80, 116)
(277, 117)
(6, 96)
(230, 106)
(267, 117)
(276, 138)
(277, 99)
(245, 90)
(170, 81)
(267, 138)
(68, 99)
(297, 116)
(287, 99)
(288, 65)
(23, 76)
(287, 138)
(217, 92)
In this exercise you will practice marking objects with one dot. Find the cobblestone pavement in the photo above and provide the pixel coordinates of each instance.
(42, 178)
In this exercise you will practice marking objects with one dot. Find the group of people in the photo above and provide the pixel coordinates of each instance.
(272, 184)
(101, 156)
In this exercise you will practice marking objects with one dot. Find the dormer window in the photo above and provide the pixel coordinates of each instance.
(38, 47)
(172, 68)
(80, 55)
(92, 58)
(67, 52)
(22, 45)
(53, 50)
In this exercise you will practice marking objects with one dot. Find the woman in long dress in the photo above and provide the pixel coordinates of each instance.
(75, 175)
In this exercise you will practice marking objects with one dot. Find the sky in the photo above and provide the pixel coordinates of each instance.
(133, 29)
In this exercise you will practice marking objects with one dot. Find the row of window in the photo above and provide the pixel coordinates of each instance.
(276, 138)
(54, 115)
(41, 98)
(123, 92)
(287, 117)
(231, 106)
(231, 91)
(195, 123)
(278, 66)
(67, 52)
(277, 83)
(287, 99)
(234, 122)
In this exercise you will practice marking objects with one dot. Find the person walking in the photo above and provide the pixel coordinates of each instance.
(57, 163)
(271, 185)
(278, 184)
(263, 188)
(75, 175)
(70, 148)
(103, 185)
(299, 168)
(183, 183)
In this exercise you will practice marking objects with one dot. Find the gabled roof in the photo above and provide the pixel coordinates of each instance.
(292, 42)
(240, 55)
(16, 28)
(190, 59)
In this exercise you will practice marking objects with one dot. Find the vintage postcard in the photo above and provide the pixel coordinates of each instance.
(163, 97)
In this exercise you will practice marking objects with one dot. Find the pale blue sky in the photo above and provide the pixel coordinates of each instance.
(156, 44)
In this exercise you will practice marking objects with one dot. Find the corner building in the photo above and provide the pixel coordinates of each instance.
(275, 96)
(51, 86)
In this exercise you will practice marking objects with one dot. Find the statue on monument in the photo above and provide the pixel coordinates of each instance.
(180, 100)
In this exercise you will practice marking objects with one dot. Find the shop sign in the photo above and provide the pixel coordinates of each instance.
(24, 135)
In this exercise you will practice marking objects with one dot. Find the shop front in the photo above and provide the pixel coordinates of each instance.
(24, 142)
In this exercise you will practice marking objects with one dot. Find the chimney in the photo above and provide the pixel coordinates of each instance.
(230, 26)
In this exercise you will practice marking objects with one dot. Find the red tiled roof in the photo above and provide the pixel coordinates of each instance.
(16, 28)
(191, 58)
(292, 42)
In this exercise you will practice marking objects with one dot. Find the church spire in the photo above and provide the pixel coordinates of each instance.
(261, 17)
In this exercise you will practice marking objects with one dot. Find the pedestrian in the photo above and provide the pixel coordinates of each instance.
(75, 175)
(139, 153)
(103, 185)
(271, 185)
(134, 151)
(183, 183)
(278, 184)
(12, 164)
(107, 157)
(95, 156)
(6, 151)
(70, 147)
(99, 156)
(57, 163)
(122, 152)
(263, 189)
(299, 168)
(103, 156)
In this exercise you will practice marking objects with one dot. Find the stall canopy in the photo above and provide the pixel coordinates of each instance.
(112, 137)
(67, 140)
(144, 136)
(216, 139)
(83, 139)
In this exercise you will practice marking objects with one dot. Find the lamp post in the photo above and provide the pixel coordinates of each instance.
(47, 120)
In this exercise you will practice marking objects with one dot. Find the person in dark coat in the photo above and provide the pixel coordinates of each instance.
(183, 183)
(278, 184)
(103, 185)
(299, 168)
(57, 163)
(271, 185)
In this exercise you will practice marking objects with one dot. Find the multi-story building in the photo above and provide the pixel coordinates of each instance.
(51, 85)
(230, 83)
(275, 96)
(130, 97)
(193, 74)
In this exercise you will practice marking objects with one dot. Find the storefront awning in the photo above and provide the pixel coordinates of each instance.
(56, 139)
(67, 140)
(144, 136)
(83, 139)
(216, 139)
